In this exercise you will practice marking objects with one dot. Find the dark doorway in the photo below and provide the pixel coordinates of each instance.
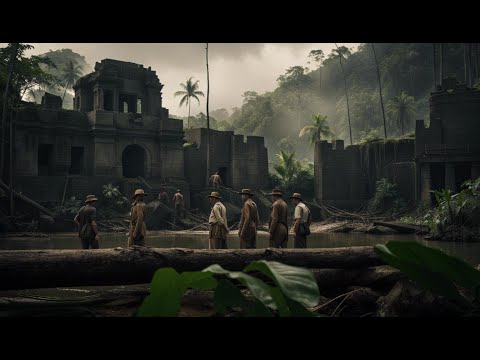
(133, 161)
(437, 178)
(45, 160)
(462, 174)
(108, 100)
(222, 171)
(76, 160)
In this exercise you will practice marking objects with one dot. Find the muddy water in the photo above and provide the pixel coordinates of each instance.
(198, 240)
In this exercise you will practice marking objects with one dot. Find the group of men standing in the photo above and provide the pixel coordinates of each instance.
(249, 221)
(247, 228)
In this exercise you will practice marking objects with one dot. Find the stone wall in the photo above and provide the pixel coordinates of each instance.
(346, 178)
(241, 164)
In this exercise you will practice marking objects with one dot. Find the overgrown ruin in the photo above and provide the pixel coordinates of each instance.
(443, 155)
(120, 133)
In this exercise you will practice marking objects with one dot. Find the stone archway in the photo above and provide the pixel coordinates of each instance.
(133, 161)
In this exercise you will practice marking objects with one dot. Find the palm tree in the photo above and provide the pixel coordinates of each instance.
(340, 52)
(190, 90)
(286, 167)
(317, 128)
(70, 74)
(380, 89)
(402, 108)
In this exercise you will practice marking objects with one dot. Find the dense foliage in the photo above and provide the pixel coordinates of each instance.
(386, 198)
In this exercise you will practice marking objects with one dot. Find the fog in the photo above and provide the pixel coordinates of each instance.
(234, 67)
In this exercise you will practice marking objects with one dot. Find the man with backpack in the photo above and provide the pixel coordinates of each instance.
(301, 227)
(86, 221)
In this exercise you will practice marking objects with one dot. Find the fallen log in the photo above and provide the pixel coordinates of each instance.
(25, 269)
(27, 200)
(402, 228)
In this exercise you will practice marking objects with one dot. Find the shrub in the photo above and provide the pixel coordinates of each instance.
(386, 198)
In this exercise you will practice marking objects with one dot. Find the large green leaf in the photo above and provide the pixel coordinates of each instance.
(198, 280)
(435, 260)
(296, 283)
(436, 281)
(259, 310)
(259, 290)
(228, 295)
(166, 291)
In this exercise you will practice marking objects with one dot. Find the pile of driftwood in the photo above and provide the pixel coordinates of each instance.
(352, 281)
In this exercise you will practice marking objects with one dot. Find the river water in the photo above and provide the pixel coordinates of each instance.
(199, 240)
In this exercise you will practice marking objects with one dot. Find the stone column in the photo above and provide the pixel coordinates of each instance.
(115, 99)
(450, 177)
(101, 107)
(475, 171)
(425, 184)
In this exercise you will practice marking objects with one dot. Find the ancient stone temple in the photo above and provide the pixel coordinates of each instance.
(119, 133)
(447, 152)
(118, 130)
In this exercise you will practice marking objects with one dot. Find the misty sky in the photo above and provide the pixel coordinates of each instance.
(234, 68)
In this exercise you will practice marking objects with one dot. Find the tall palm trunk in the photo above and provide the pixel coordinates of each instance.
(441, 63)
(346, 96)
(208, 120)
(13, 57)
(188, 120)
(63, 98)
(380, 88)
(434, 68)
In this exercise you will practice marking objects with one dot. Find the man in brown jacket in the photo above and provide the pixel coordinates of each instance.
(247, 228)
(218, 223)
(138, 230)
(86, 219)
(277, 226)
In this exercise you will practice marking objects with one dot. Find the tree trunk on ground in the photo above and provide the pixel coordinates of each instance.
(27, 200)
(25, 269)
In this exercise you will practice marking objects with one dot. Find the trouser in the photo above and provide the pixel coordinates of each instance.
(140, 241)
(179, 210)
(216, 240)
(249, 239)
(299, 241)
(280, 237)
(217, 243)
(90, 243)
(216, 185)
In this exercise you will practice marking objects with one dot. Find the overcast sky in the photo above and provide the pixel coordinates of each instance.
(234, 68)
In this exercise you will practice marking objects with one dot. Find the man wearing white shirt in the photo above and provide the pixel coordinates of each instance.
(302, 218)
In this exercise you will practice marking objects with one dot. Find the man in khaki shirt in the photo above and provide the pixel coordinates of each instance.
(138, 230)
(247, 228)
(218, 223)
(277, 226)
(178, 203)
(215, 180)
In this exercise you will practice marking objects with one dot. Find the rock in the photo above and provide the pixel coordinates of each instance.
(407, 299)
(157, 215)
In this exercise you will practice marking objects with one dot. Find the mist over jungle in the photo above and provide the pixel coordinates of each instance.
(406, 77)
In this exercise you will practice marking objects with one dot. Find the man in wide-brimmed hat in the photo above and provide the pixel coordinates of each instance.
(217, 238)
(138, 230)
(277, 226)
(86, 221)
(302, 221)
(247, 228)
(178, 203)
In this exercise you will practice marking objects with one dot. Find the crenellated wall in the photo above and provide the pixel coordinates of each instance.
(240, 163)
(346, 177)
